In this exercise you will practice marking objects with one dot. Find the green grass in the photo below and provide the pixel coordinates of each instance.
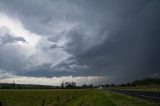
(107, 98)
(123, 100)
(69, 98)
(34, 97)
(92, 98)
(154, 88)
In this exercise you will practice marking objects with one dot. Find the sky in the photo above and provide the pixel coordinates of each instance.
(86, 41)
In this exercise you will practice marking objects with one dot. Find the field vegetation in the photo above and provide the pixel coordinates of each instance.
(68, 97)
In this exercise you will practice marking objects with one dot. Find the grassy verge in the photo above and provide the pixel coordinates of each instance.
(92, 98)
(154, 88)
(124, 100)
(107, 98)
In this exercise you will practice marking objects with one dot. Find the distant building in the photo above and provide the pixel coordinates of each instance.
(100, 87)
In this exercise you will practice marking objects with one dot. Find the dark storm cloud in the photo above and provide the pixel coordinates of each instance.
(108, 37)
(131, 46)
(7, 38)
(40, 16)
(10, 57)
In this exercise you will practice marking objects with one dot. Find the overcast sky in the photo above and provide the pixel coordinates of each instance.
(87, 41)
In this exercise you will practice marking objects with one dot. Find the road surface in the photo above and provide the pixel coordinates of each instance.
(152, 96)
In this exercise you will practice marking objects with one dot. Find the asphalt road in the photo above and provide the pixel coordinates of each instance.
(152, 96)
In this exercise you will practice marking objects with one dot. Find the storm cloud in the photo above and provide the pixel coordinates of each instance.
(7, 38)
(116, 39)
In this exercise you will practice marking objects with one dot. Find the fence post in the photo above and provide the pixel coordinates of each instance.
(58, 99)
(67, 97)
(43, 102)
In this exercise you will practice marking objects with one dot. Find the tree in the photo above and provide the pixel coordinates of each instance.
(68, 84)
(62, 84)
(112, 85)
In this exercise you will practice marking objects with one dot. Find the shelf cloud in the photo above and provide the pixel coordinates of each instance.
(116, 40)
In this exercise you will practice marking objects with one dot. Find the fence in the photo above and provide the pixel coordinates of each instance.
(63, 99)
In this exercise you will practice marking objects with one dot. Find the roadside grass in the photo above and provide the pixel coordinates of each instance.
(108, 98)
(154, 88)
(91, 98)
(124, 100)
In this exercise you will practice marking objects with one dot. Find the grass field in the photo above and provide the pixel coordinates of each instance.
(69, 98)
(154, 88)
(35, 97)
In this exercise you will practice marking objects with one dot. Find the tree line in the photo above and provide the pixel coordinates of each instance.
(23, 86)
(72, 85)
(145, 81)
(64, 85)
